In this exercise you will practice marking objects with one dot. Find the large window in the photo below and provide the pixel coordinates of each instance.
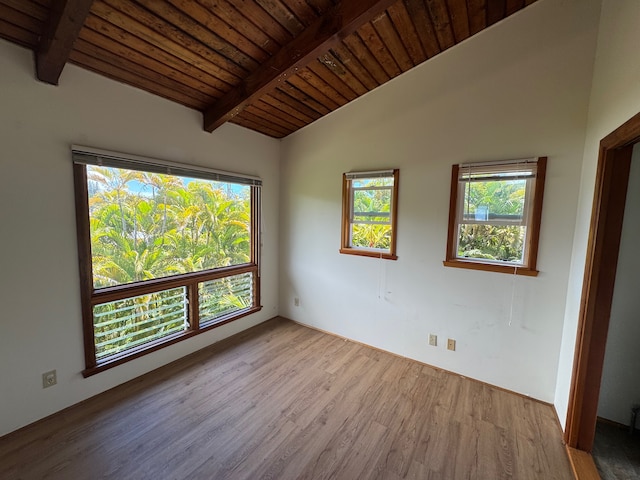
(369, 211)
(166, 251)
(494, 218)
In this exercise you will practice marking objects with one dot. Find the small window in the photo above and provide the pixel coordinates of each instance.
(494, 218)
(166, 252)
(369, 211)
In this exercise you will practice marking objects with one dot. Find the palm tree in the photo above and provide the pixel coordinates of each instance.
(146, 226)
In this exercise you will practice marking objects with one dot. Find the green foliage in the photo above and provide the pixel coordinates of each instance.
(504, 243)
(224, 295)
(504, 197)
(130, 322)
(373, 207)
(371, 236)
(501, 242)
(146, 226)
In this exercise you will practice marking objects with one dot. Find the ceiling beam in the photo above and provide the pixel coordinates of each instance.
(322, 35)
(60, 33)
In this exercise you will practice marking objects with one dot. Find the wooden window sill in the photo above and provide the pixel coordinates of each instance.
(491, 267)
(368, 253)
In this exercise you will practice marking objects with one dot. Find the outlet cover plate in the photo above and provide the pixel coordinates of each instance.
(49, 379)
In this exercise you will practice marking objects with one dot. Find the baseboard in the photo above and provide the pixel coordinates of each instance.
(558, 422)
(424, 363)
(619, 425)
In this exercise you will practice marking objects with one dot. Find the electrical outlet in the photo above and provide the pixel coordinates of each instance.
(451, 344)
(296, 302)
(433, 340)
(49, 379)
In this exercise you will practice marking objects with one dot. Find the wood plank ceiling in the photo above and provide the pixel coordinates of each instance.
(272, 66)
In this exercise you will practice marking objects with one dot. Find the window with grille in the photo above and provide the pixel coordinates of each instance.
(166, 251)
(494, 221)
(369, 211)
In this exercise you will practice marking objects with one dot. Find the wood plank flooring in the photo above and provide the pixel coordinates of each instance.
(282, 401)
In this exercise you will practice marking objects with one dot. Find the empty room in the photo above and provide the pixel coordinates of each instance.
(367, 239)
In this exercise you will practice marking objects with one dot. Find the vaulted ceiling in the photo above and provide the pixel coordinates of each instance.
(272, 66)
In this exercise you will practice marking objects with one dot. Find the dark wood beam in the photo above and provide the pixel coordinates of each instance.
(322, 35)
(60, 33)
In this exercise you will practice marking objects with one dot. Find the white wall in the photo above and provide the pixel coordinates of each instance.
(40, 325)
(620, 387)
(615, 98)
(518, 89)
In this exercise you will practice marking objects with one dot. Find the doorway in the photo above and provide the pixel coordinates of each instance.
(597, 292)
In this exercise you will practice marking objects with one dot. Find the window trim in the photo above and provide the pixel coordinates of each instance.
(90, 296)
(529, 267)
(347, 204)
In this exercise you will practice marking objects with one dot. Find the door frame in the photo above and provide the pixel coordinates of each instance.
(603, 247)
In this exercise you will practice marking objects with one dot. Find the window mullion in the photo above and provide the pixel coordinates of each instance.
(193, 307)
(124, 291)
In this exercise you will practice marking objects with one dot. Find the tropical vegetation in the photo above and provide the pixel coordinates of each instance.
(147, 225)
(497, 208)
(371, 226)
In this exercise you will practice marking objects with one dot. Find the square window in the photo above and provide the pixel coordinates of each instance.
(369, 210)
(166, 252)
(494, 221)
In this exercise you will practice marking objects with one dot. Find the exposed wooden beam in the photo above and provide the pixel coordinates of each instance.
(60, 33)
(323, 34)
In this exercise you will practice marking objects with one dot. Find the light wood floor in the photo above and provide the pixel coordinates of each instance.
(282, 401)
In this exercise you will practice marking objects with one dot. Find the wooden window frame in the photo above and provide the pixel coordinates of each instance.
(529, 265)
(91, 296)
(347, 205)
